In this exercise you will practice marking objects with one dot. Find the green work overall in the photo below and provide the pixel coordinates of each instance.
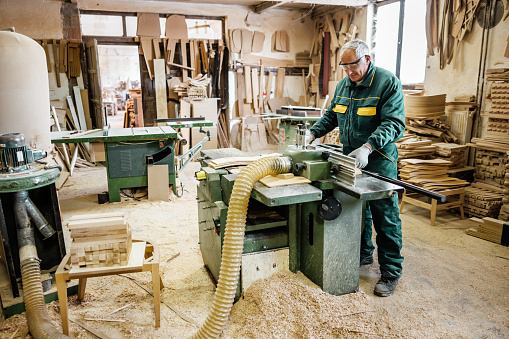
(373, 112)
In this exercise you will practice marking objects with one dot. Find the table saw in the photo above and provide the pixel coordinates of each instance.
(128, 152)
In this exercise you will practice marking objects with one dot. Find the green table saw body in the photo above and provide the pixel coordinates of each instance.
(127, 150)
(326, 251)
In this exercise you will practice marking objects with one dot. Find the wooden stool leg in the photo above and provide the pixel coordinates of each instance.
(156, 289)
(62, 300)
(402, 202)
(81, 288)
(462, 199)
(433, 211)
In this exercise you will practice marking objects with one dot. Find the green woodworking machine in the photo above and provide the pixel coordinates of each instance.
(128, 151)
(314, 228)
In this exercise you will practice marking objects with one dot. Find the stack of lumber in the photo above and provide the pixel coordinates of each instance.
(302, 59)
(429, 174)
(414, 147)
(193, 88)
(490, 229)
(100, 240)
(454, 153)
(497, 131)
(498, 115)
(424, 107)
(482, 202)
(490, 168)
(435, 130)
(504, 210)
(498, 74)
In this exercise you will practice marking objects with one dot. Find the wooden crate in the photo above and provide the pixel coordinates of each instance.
(100, 240)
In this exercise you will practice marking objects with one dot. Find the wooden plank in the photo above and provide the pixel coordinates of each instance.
(146, 47)
(275, 181)
(255, 88)
(160, 89)
(240, 96)
(63, 59)
(258, 39)
(46, 49)
(176, 27)
(183, 49)
(119, 222)
(56, 62)
(75, 119)
(247, 40)
(268, 88)
(247, 80)
(260, 90)
(79, 107)
(148, 25)
(158, 182)
(280, 83)
(97, 216)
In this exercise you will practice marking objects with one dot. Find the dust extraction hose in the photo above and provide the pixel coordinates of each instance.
(233, 246)
(39, 323)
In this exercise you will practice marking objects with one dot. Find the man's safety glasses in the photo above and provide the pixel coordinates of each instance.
(351, 65)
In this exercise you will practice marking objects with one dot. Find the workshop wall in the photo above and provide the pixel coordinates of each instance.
(460, 76)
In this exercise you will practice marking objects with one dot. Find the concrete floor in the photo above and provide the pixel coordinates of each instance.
(453, 285)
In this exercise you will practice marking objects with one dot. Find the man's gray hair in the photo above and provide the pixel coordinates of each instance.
(361, 48)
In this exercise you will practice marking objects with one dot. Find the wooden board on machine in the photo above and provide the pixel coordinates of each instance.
(99, 240)
(283, 179)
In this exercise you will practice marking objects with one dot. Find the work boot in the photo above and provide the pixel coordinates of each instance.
(385, 286)
(366, 259)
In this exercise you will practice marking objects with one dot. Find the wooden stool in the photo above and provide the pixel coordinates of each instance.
(144, 257)
(433, 205)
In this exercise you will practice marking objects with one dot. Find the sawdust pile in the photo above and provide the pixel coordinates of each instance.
(289, 305)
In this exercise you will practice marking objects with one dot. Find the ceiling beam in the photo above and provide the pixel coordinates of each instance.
(266, 5)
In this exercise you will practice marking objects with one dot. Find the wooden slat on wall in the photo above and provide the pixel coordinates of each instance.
(95, 83)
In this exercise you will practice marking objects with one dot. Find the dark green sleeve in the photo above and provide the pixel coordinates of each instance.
(392, 116)
(328, 121)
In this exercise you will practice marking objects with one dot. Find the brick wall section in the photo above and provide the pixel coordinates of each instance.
(71, 21)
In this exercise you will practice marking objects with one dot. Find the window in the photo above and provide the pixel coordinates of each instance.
(112, 26)
(401, 39)
(101, 25)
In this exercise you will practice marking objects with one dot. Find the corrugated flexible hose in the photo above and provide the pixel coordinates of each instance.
(38, 319)
(39, 323)
(233, 245)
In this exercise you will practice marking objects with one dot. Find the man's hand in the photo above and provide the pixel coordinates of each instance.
(361, 155)
(310, 137)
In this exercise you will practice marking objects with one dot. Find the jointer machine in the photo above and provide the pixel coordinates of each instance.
(314, 228)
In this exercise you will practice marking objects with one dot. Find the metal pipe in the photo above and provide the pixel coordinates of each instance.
(410, 187)
(35, 215)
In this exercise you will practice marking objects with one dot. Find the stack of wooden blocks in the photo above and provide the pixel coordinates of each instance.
(100, 240)
(504, 210)
(482, 202)
(490, 167)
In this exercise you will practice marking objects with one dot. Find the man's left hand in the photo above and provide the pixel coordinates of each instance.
(361, 155)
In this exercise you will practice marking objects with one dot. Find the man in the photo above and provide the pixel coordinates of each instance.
(369, 111)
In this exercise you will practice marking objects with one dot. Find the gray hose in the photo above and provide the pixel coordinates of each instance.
(39, 323)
